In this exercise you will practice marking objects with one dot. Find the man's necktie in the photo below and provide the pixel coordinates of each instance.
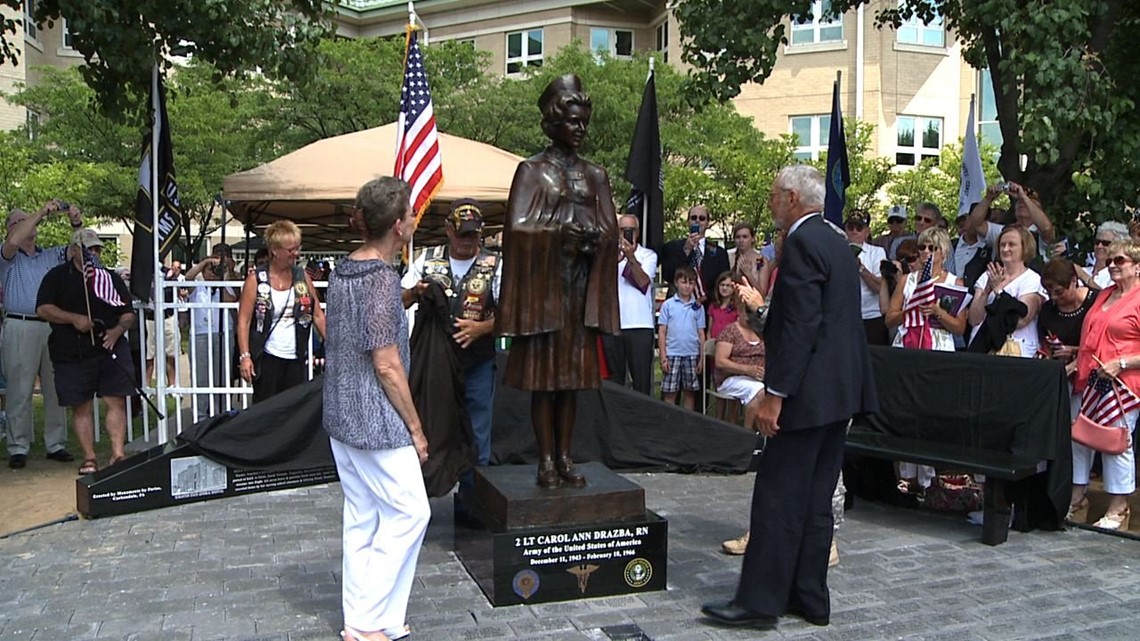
(695, 257)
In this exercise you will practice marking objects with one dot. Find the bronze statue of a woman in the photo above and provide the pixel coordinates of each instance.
(559, 283)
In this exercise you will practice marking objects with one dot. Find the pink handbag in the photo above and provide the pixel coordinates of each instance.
(1104, 439)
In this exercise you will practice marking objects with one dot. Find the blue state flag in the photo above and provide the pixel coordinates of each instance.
(838, 172)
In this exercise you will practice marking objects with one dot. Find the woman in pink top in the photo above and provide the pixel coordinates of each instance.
(1111, 335)
(722, 312)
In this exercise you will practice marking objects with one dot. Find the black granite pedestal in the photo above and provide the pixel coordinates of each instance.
(524, 544)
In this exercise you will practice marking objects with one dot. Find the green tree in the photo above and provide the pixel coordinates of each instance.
(869, 173)
(938, 181)
(120, 40)
(1063, 78)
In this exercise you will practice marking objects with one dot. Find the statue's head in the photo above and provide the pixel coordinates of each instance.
(565, 110)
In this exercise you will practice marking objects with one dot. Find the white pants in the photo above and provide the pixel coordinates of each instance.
(386, 514)
(1119, 469)
(742, 388)
(25, 356)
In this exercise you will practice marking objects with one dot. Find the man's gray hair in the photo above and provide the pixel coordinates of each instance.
(1117, 229)
(806, 181)
(11, 214)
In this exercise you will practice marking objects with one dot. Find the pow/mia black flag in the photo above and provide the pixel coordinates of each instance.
(643, 171)
(156, 180)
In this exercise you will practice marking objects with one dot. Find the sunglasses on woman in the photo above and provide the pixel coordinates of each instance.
(1100, 242)
(909, 259)
(928, 248)
(1119, 261)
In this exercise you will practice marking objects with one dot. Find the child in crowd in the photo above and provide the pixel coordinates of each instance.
(681, 339)
(722, 313)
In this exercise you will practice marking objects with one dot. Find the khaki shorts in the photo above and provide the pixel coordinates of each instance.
(169, 336)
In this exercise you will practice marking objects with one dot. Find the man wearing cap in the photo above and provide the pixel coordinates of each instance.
(869, 259)
(212, 327)
(88, 318)
(24, 340)
(469, 275)
(897, 216)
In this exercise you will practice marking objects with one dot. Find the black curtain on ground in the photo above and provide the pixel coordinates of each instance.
(625, 430)
(280, 433)
(438, 391)
(1005, 404)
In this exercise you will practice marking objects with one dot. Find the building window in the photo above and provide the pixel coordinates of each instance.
(919, 138)
(917, 32)
(663, 40)
(470, 42)
(812, 134)
(617, 42)
(32, 124)
(31, 30)
(820, 26)
(989, 131)
(68, 39)
(524, 49)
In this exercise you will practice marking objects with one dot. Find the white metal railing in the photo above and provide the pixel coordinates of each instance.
(206, 383)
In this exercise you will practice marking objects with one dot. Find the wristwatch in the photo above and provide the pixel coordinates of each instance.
(1123, 364)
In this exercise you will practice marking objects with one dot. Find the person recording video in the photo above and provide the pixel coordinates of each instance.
(212, 328)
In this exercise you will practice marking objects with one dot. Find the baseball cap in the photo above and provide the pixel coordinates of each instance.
(897, 211)
(466, 215)
(86, 237)
(855, 218)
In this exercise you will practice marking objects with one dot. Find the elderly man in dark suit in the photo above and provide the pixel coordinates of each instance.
(818, 376)
(709, 260)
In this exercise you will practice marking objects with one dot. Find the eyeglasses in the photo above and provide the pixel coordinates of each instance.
(1120, 261)
(698, 219)
(909, 259)
(855, 226)
(628, 228)
(929, 248)
(1100, 242)
(926, 220)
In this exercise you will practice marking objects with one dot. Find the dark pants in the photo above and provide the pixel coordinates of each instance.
(786, 560)
(631, 351)
(876, 330)
(275, 375)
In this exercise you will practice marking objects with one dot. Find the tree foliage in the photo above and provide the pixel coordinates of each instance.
(1063, 77)
(120, 41)
(937, 181)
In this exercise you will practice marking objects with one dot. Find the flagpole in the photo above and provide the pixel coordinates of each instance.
(644, 223)
(159, 272)
(86, 296)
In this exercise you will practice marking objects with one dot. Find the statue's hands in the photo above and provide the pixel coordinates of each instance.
(578, 239)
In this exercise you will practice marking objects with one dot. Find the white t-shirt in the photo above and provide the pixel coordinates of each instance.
(637, 307)
(1101, 279)
(964, 252)
(282, 341)
(205, 320)
(459, 269)
(1024, 285)
(872, 258)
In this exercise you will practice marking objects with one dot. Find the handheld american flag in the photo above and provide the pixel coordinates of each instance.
(918, 327)
(1100, 403)
(418, 161)
(99, 279)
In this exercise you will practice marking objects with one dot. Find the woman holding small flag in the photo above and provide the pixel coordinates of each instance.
(1109, 357)
(89, 309)
(922, 322)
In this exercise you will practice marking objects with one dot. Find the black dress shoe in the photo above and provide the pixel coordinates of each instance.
(17, 461)
(63, 456)
(732, 614)
(814, 619)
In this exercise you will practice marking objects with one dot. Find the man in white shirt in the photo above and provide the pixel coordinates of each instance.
(212, 328)
(870, 259)
(632, 350)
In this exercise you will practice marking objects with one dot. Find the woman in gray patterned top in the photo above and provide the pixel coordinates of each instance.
(377, 438)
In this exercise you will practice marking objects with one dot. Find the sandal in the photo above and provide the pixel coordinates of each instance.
(1079, 511)
(116, 459)
(1118, 521)
(89, 466)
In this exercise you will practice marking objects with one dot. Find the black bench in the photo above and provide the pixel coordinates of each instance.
(1000, 469)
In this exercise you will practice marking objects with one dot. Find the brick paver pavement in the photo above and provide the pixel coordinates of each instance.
(266, 567)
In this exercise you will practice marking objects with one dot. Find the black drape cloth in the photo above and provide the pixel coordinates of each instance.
(282, 432)
(625, 430)
(438, 391)
(1015, 405)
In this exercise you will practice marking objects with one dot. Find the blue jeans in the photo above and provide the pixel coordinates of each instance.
(480, 399)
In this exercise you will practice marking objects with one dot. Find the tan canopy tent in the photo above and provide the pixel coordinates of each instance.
(315, 185)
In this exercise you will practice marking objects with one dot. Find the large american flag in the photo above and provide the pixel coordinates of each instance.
(1099, 402)
(100, 281)
(918, 330)
(418, 161)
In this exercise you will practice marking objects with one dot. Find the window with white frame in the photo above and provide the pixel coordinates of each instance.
(812, 134)
(917, 32)
(524, 49)
(663, 40)
(818, 27)
(989, 131)
(31, 29)
(32, 124)
(68, 39)
(918, 138)
(617, 42)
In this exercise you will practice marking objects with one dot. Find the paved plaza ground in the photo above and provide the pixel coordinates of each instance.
(266, 567)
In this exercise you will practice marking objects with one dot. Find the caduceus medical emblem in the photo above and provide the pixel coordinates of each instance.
(583, 572)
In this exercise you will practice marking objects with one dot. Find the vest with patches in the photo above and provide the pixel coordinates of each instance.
(262, 322)
(471, 298)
